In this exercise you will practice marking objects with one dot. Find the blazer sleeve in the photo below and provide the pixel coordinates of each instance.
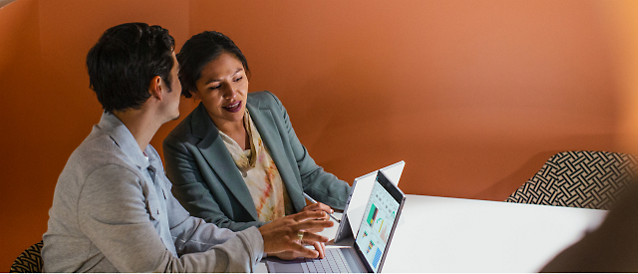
(190, 187)
(319, 184)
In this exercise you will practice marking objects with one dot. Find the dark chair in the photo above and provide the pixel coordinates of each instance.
(588, 179)
(30, 261)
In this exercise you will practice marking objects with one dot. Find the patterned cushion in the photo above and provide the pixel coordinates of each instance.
(30, 261)
(589, 179)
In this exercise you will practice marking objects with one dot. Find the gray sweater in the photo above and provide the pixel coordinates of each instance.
(110, 215)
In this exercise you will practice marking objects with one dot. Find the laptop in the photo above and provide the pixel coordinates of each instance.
(361, 189)
(370, 248)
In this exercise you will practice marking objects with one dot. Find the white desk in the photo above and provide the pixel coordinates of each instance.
(438, 234)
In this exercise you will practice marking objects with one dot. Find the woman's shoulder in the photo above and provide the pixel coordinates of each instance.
(185, 130)
(263, 96)
(264, 99)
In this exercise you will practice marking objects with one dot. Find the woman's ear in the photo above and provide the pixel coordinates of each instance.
(195, 95)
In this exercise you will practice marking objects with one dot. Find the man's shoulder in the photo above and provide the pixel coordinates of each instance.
(97, 151)
(100, 147)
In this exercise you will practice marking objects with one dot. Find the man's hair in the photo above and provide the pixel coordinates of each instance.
(125, 60)
(198, 51)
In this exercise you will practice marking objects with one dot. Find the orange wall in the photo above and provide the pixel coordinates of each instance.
(45, 99)
(473, 95)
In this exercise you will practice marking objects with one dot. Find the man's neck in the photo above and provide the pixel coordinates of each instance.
(142, 124)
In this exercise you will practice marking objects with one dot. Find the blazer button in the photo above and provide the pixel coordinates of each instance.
(158, 212)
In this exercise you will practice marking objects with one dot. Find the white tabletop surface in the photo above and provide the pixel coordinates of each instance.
(440, 234)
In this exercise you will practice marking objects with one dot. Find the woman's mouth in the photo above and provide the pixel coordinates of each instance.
(234, 107)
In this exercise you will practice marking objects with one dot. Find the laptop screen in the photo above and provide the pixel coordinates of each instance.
(378, 219)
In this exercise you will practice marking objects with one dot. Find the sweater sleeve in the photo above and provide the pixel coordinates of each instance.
(115, 216)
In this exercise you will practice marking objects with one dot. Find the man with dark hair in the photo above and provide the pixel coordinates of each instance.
(113, 210)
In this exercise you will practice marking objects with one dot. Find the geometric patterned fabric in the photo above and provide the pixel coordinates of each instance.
(587, 179)
(30, 261)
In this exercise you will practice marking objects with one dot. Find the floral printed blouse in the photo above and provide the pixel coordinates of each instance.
(260, 174)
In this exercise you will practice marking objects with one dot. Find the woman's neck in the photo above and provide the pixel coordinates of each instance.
(237, 132)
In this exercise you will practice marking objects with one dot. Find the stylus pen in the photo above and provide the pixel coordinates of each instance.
(314, 202)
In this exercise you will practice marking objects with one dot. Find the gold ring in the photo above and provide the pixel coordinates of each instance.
(300, 235)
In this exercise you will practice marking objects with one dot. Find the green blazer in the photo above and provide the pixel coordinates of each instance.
(209, 185)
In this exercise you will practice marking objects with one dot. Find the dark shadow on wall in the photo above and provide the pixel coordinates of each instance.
(503, 188)
(5, 2)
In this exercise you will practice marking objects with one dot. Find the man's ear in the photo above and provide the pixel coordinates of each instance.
(155, 87)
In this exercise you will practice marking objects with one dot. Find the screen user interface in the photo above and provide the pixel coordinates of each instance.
(377, 223)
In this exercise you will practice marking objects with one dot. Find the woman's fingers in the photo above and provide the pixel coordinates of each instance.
(313, 225)
(308, 214)
(311, 238)
(288, 233)
(319, 206)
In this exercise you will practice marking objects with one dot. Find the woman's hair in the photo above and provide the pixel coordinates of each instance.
(198, 51)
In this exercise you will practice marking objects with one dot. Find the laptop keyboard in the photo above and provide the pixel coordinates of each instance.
(332, 263)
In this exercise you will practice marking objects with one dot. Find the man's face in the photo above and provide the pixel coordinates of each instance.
(172, 97)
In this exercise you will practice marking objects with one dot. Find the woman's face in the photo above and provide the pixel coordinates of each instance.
(223, 89)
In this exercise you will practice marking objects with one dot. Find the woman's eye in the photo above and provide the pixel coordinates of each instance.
(239, 79)
(215, 87)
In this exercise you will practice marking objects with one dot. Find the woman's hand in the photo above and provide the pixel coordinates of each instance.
(282, 236)
(318, 207)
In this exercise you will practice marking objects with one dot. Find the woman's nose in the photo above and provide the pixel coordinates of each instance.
(229, 92)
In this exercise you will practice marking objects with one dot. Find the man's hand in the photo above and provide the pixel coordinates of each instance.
(281, 235)
(291, 255)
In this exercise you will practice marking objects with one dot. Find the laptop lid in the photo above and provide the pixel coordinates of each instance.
(377, 228)
(368, 252)
(361, 189)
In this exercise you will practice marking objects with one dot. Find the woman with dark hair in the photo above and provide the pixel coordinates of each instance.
(235, 161)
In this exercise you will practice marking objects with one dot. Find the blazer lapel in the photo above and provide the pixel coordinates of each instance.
(216, 154)
(268, 129)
